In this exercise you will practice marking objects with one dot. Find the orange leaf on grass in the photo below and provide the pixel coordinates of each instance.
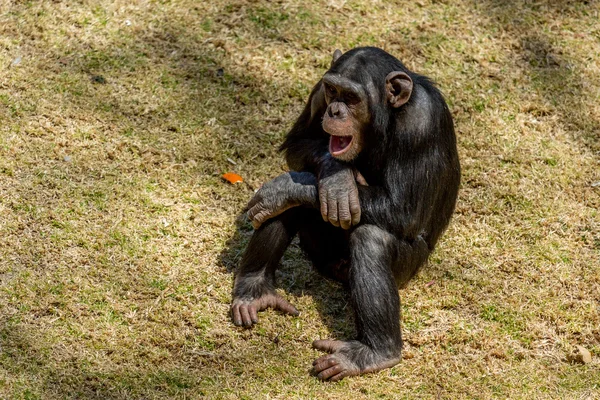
(232, 178)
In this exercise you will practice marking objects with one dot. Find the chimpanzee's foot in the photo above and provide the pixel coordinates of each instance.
(244, 311)
(348, 359)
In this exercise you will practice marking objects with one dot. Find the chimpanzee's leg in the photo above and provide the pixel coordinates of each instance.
(254, 287)
(376, 302)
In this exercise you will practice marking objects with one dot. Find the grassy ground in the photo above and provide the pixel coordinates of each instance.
(117, 235)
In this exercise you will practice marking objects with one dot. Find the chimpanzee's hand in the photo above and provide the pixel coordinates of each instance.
(338, 196)
(280, 194)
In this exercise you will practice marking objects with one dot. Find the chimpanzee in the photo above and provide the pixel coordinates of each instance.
(374, 184)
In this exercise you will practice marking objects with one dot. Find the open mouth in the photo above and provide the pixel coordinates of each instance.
(339, 144)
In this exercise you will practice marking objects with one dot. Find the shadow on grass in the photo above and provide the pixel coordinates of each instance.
(82, 76)
(68, 377)
(552, 74)
(200, 90)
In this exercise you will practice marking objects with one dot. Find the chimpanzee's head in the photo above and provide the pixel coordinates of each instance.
(353, 88)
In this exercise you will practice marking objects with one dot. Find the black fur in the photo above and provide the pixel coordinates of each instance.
(410, 162)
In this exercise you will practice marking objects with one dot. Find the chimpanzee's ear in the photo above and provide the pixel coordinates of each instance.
(336, 54)
(398, 86)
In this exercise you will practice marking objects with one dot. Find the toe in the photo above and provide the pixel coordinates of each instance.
(322, 363)
(283, 305)
(330, 372)
(253, 313)
(329, 346)
(235, 314)
(339, 376)
(321, 359)
(245, 316)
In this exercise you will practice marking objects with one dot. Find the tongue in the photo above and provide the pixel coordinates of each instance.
(339, 143)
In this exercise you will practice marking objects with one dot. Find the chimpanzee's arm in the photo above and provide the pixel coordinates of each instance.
(399, 204)
(288, 190)
(304, 152)
(406, 202)
(379, 207)
(294, 189)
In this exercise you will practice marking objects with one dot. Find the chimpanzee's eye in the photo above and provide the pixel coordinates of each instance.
(330, 90)
(351, 98)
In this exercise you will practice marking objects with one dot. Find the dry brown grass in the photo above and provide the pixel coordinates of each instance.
(117, 234)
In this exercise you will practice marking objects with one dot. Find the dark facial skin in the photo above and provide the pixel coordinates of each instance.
(347, 116)
(371, 120)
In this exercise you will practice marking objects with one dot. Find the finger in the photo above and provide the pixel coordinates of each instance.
(235, 313)
(330, 346)
(354, 208)
(257, 215)
(245, 315)
(344, 214)
(323, 202)
(253, 201)
(360, 179)
(252, 217)
(332, 209)
(253, 211)
(253, 313)
(283, 305)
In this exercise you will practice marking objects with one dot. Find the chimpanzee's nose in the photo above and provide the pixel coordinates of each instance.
(334, 109)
